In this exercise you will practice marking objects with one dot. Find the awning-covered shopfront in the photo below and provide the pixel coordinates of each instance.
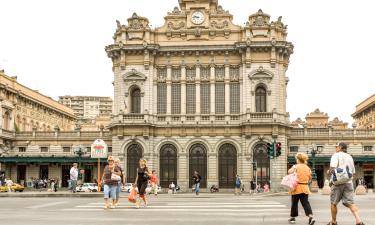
(327, 159)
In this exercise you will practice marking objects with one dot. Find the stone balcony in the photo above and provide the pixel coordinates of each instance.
(329, 133)
(62, 135)
(6, 134)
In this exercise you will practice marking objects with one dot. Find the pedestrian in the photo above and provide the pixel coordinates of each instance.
(73, 177)
(342, 189)
(141, 181)
(252, 187)
(121, 182)
(172, 186)
(237, 189)
(266, 188)
(197, 182)
(302, 191)
(9, 184)
(110, 179)
(259, 189)
(154, 183)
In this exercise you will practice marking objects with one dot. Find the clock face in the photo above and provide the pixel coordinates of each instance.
(197, 17)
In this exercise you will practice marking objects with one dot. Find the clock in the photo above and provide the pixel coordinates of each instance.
(197, 17)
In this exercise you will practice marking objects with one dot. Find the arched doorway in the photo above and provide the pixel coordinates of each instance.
(168, 165)
(227, 166)
(198, 162)
(263, 164)
(134, 153)
(135, 100)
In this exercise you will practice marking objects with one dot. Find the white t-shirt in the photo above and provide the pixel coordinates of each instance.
(73, 173)
(342, 160)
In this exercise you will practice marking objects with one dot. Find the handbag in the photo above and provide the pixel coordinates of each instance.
(115, 177)
(290, 181)
(132, 196)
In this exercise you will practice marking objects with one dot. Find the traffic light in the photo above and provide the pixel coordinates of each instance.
(270, 150)
(278, 149)
(254, 166)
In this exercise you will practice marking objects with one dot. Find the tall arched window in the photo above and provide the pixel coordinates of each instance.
(227, 166)
(261, 99)
(168, 165)
(198, 162)
(6, 120)
(24, 124)
(263, 163)
(134, 153)
(135, 100)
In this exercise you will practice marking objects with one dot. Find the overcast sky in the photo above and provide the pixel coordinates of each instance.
(57, 47)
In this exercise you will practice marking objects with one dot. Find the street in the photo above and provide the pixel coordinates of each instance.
(215, 209)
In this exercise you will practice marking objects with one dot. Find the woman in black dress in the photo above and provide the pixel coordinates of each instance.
(143, 175)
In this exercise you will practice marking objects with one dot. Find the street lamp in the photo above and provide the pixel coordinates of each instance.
(314, 151)
(80, 151)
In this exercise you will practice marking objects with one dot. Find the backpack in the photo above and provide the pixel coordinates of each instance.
(341, 175)
(238, 182)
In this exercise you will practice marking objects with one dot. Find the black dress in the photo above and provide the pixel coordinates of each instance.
(142, 180)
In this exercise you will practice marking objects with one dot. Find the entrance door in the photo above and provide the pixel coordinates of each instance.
(88, 174)
(65, 175)
(134, 153)
(263, 164)
(319, 170)
(43, 172)
(168, 165)
(198, 162)
(21, 174)
(227, 166)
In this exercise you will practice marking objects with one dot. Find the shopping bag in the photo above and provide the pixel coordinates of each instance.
(132, 196)
(290, 181)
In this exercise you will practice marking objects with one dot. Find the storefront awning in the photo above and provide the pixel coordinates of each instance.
(327, 159)
(36, 159)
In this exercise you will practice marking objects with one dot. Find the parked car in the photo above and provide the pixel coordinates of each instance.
(126, 187)
(87, 187)
(15, 187)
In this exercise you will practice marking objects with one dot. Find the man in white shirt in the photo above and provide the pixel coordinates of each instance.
(343, 192)
(74, 177)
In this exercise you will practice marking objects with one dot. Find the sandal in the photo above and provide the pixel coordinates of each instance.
(331, 223)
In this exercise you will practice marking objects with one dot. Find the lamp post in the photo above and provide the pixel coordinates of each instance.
(80, 151)
(314, 151)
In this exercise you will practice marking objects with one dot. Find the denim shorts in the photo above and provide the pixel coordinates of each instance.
(118, 190)
(110, 191)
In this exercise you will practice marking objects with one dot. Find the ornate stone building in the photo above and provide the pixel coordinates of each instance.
(201, 93)
(365, 113)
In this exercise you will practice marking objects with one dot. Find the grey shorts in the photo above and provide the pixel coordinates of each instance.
(342, 192)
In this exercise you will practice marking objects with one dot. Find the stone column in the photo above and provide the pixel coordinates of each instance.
(212, 170)
(183, 170)
(169, 87)
(212, 82)
(198, 91)
(183, 90)
(227, 90)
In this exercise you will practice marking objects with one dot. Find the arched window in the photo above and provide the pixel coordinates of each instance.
(24, 124)
(6, 121)
(198, 162)
(134, 153)
(135, 101)
(261, 99)
(168, 165)
(263, 164)
(227, 166)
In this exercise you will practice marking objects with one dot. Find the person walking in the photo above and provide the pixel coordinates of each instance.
(342, 191)
(141, 181)
(197, 182)
(154, 183)
(73, 177)
(110, 179)
(120, 183)
(252, 187)
(237, 189)
(302, 191)
(172, 186)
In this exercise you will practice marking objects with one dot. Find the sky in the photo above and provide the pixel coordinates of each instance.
(57, 47)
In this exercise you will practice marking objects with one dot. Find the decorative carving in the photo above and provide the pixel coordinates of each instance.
(220, 10)
(261, 74)
(176, 11)
(220, 26)
(197, 32)
(179, 26)
(259, 19)
(137, 22)
(134, 75)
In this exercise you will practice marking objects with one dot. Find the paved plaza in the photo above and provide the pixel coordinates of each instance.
(207, 209)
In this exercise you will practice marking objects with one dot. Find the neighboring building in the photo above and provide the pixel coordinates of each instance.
(319, 119)
(88, 107)
(96, 124)
(364, 115)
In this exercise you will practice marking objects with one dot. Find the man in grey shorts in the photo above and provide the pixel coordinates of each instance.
(343, 192)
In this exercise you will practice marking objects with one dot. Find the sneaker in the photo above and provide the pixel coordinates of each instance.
(311, 221)
(292, 220)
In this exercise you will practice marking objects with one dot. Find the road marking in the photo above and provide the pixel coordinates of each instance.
(196, 206)
(203, 203)
(184, 210)
(45, 205)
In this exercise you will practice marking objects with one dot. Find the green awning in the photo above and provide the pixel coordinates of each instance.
(327, 159)
(40, 159)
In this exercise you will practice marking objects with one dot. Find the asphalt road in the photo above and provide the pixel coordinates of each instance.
(186, 209)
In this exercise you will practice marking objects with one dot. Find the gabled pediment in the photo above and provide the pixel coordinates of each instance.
(134, 75)
(260, 73)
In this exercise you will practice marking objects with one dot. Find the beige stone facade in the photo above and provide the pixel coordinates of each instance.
(365, 113)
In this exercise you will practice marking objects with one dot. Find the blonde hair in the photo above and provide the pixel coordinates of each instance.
(144, 160)
(302, 157)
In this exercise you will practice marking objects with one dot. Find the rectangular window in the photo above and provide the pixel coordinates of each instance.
(367, 148)
(219, 73)
(66, 149)
(162, 73)
(162, 98)
(205, 98)
(43, 149)
(190, 74)
(293, 149)
(220, 98)
(176, 74)
(205, 73)
(234, 98)
(176, 99)
(21, 149)
(190, 99)
(109, 149)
